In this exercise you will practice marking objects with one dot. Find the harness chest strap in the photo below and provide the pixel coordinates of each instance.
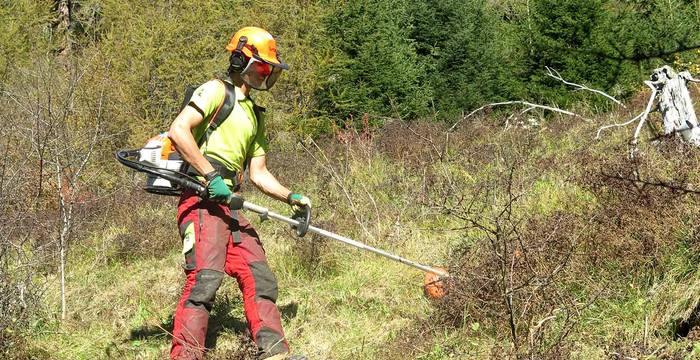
(222, 112)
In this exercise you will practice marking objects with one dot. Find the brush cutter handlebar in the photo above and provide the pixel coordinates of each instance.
(304, 218)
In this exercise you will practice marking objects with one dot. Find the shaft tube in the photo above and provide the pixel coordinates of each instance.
(267, 213)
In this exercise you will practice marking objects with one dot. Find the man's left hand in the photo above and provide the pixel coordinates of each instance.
(298, 201)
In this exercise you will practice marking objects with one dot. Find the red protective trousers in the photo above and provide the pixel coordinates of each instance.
(219, 241)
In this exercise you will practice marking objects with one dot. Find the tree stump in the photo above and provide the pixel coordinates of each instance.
(675, 104)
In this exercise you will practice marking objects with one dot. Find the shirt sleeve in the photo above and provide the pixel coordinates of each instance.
(259, 146)
(208, 96)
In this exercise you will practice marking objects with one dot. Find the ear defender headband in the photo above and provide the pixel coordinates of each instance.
(237, 61)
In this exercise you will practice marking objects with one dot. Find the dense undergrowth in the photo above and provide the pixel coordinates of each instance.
(559, 247)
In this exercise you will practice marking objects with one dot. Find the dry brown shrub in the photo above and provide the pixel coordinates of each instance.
(416, 145)
(511, 279)
(640, 203)
(526, 293)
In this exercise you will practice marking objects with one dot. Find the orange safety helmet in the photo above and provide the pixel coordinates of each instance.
(258, 43)
(254, 57)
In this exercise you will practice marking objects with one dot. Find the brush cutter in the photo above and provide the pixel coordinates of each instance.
(433, 285)
(300, 222)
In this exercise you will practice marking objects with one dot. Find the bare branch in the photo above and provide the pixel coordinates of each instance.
(518, 102)
(555, 74)
(688, 77)
(687, 189)
(597, 136)
(645, 114)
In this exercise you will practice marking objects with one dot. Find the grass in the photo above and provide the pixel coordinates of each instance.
(349, 309)
(341, 303)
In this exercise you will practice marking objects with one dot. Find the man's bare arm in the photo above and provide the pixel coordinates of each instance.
(181, 134)
(261, 177)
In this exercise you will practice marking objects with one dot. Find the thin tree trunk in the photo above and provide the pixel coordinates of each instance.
(63, 277)
(65, 205)
(65, 230)
(64, 23)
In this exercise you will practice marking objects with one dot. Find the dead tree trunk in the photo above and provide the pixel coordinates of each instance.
(675, 104)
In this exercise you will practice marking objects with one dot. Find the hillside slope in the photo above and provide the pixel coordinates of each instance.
(589, 265)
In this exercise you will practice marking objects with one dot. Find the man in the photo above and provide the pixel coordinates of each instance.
(216, 240)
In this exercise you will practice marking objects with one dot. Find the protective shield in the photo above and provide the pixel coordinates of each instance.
(260, 75)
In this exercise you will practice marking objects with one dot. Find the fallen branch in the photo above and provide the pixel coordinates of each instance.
(518, 102)
(555, 74)
(640, 184)
(597, 136)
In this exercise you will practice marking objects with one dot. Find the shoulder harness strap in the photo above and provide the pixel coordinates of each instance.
(222, 112)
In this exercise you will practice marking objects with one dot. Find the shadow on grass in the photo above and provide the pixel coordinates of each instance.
(221, 319)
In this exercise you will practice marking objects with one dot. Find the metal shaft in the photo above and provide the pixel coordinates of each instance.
(265, 213)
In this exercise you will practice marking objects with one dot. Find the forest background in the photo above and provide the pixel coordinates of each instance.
(366, 110)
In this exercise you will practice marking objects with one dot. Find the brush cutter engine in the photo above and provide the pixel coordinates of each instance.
(162, 164)
(161, 153)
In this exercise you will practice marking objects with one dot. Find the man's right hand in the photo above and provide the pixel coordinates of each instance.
(217, 188)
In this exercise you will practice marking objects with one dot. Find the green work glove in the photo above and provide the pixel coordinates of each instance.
(218, 190)
(298, 201)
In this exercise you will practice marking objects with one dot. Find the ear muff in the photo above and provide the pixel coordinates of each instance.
(237, 61)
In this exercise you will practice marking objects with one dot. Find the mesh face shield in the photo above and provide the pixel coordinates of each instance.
(260, 75)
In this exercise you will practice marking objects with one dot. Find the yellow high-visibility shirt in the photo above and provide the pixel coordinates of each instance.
(238, 138)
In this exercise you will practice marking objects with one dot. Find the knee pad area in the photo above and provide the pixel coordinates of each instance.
(265, 281)
(203, 292)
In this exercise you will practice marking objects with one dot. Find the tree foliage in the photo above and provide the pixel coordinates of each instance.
(382, 58)
(468, 54)
(377, 70)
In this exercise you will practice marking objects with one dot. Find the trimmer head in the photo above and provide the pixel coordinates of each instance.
(433, 284)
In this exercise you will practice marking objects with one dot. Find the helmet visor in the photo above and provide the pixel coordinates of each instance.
(260, 75)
